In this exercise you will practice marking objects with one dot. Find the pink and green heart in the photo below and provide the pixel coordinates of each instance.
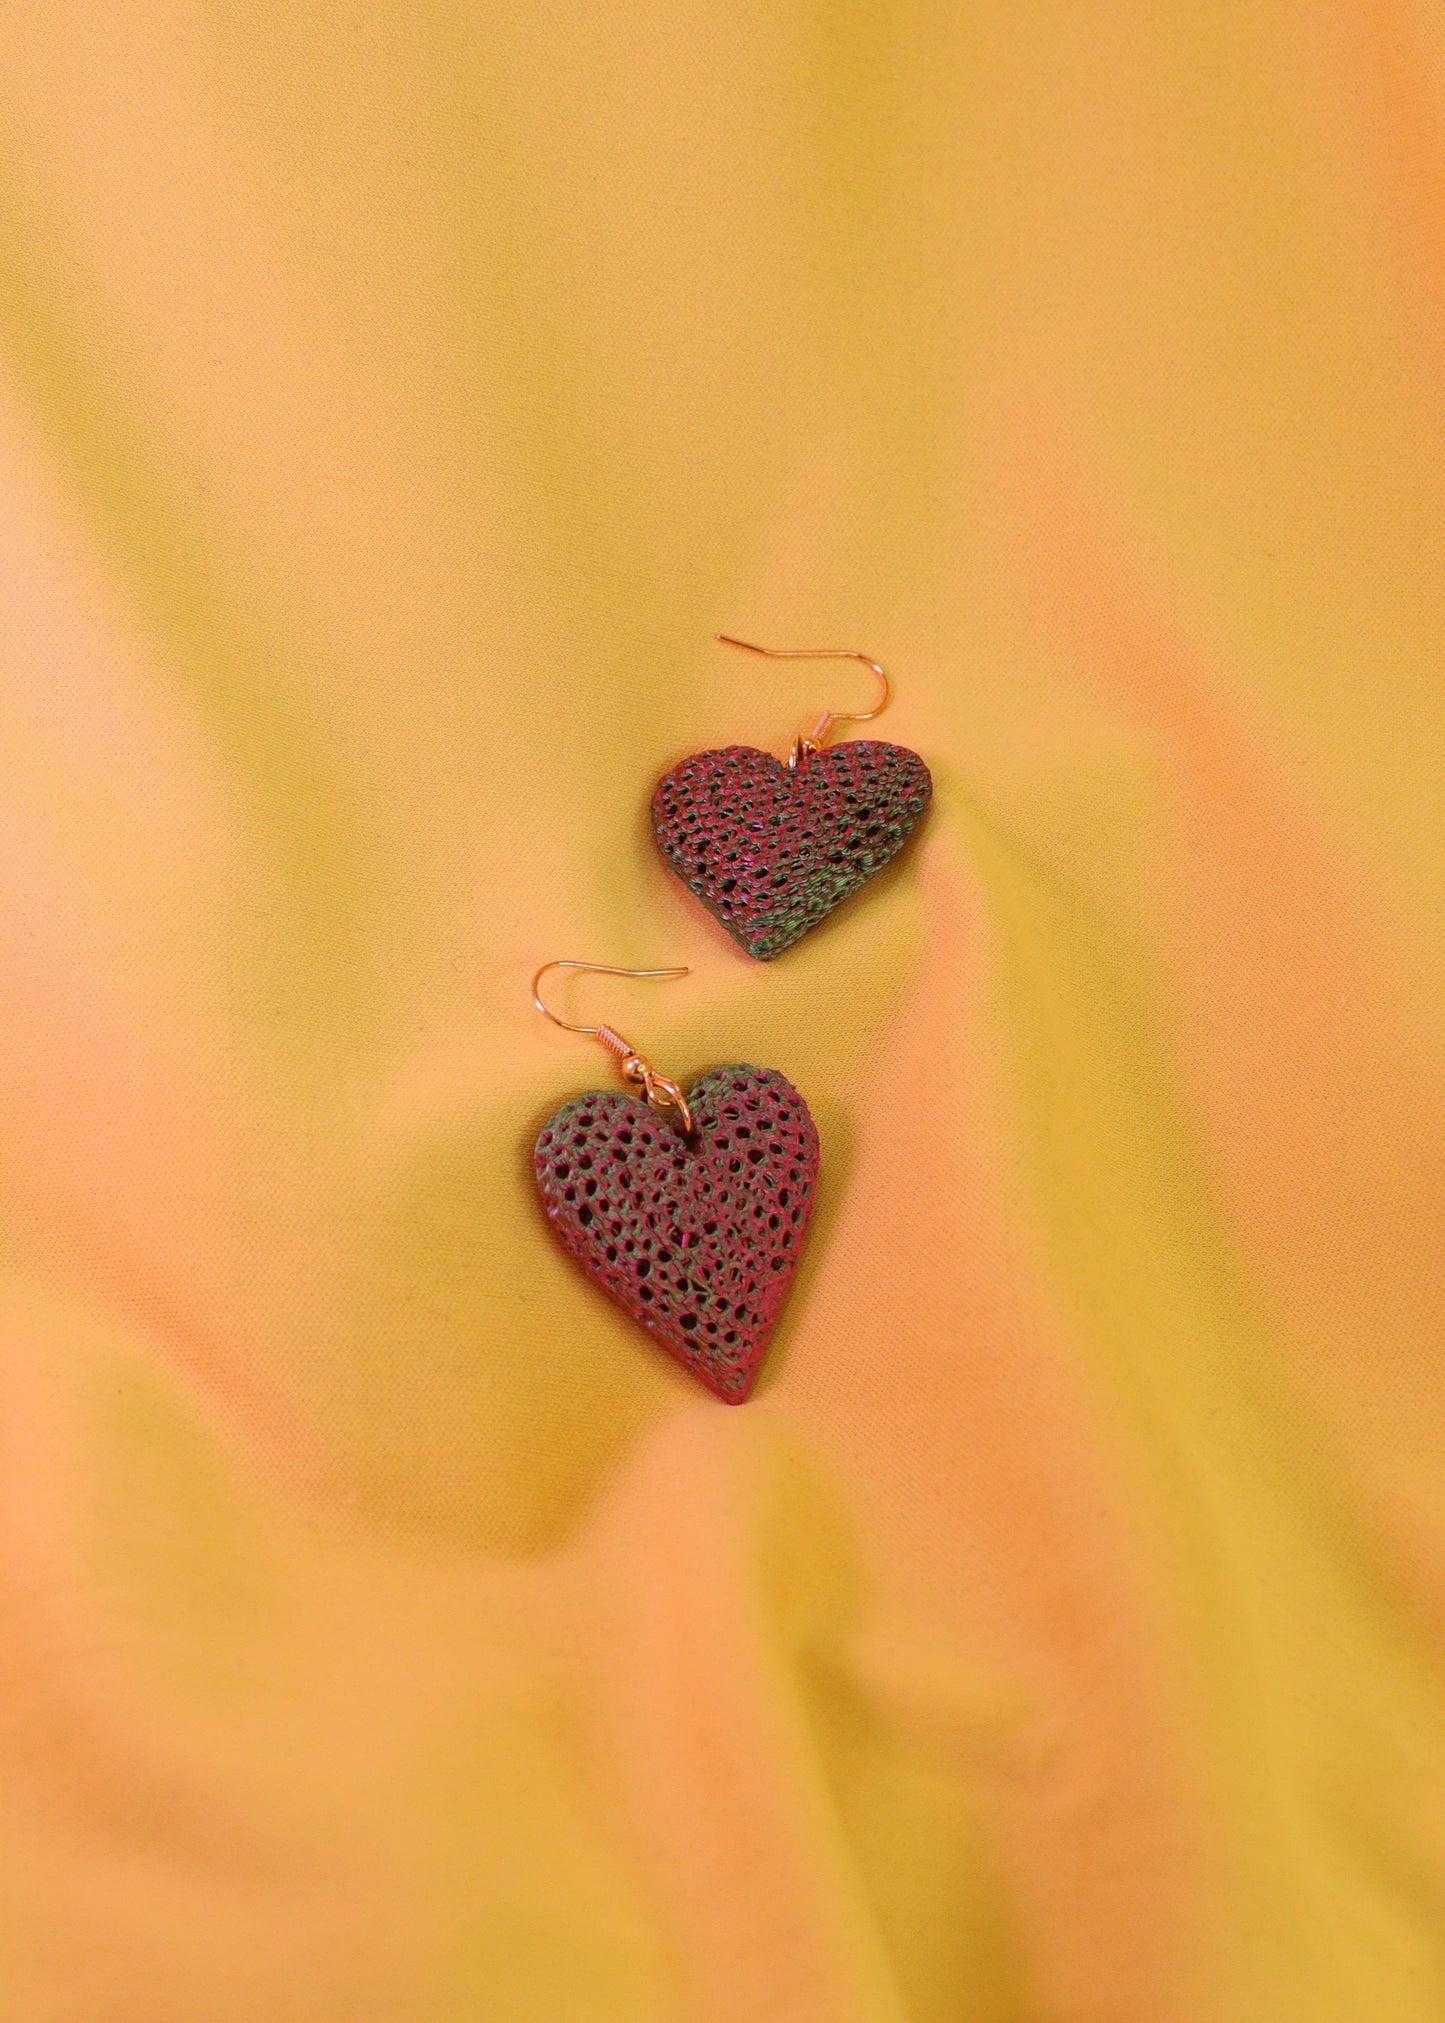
(696, 1237)
(770, 850)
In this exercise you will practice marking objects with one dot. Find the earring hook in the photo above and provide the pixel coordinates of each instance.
(808, 742)
(597, 969)
(661, 1093)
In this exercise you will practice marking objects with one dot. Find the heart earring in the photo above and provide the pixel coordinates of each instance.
(771, 849)
(688, 1209)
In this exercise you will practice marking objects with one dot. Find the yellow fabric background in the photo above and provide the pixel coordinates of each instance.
(393, 401)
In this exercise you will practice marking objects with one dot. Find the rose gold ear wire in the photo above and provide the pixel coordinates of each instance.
(657, 1089)
(808, 742)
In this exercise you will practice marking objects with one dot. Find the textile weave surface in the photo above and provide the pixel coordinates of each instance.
(394, 401)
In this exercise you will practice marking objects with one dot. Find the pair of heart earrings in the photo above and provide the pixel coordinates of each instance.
(690, 1209)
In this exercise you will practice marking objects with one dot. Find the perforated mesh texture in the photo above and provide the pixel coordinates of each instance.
(696, 1239)
(771, 851)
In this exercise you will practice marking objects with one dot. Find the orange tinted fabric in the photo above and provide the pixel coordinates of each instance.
(393, 403)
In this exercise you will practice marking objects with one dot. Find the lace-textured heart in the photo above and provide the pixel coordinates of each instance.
(696, 1237)
(770, 850)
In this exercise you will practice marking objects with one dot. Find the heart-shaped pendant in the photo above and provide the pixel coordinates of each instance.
(770, 849)
(697, 1235)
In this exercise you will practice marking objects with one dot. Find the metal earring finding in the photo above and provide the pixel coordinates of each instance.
(808, 742)
(659, 1090)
